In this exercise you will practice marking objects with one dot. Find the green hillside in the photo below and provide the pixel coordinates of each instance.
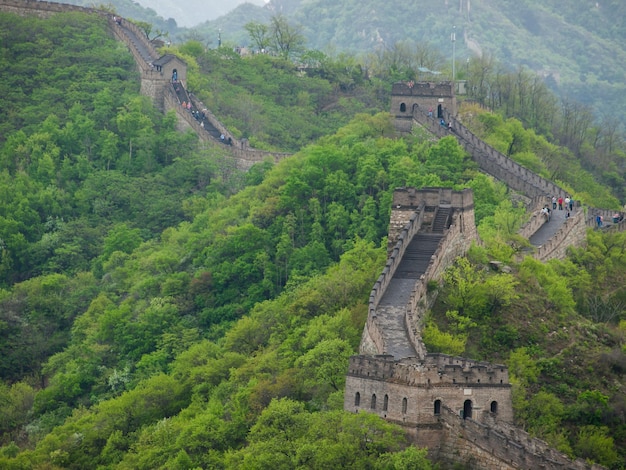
(159, 309)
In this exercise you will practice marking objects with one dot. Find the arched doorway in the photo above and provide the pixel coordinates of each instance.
(467, 409)
(174, 75)
(494, 407)
(439, 111)
(437, 407)
(402, 107)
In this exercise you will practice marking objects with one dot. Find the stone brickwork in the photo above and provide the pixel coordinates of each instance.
(409, 97)
(572, 233)
(415, 209)
(460, 409)
(489, 159)
(491, 444)
(41, 9)
(411, 391)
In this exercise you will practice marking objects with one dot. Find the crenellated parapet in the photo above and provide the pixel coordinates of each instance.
(157, 73)
(443, 212)
(490, 444)
(42, 9)
(414, 104)
(412, 391)
(460, 409)
(427, 96)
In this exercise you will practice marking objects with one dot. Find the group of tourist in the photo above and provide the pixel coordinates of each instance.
(617, 218)
(561, 203)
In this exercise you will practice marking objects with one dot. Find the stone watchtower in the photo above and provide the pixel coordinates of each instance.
(161, 72)
(407, 97)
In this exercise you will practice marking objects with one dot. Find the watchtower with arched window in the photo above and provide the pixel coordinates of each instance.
(427, 96)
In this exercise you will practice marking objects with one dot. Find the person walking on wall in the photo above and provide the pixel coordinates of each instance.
(553, 202)
(560, 201)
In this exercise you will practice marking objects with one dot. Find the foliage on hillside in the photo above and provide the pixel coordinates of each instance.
(560, 327)
(537, 154)
(269, 101)
(165, 322)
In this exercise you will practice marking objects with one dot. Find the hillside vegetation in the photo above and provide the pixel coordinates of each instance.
(161, 310)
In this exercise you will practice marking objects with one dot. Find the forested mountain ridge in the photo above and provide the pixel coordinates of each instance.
(219, 338)
(509, 52)
(577, 46)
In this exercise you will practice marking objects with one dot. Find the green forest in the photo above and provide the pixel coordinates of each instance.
(161, 309)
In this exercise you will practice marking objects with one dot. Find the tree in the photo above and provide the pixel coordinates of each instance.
(286, 38)
(595, 444)
(326, 363)
(259, 34)
(147, 30)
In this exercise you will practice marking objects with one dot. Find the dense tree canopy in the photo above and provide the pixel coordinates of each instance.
(161, 310)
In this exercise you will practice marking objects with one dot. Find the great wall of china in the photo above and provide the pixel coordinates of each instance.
(460, 409)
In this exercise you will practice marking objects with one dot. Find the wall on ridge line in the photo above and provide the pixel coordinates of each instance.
(416, 210)
(498, 445)
(572, 233)
(455, 243)
(372, 339)
(40, 8)
(537, 219)
(243, 158)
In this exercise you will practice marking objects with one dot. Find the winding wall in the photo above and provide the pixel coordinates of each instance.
(154, 84)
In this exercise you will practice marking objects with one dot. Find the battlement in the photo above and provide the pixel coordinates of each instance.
(434, 370)
(418, 89)
(42, 9)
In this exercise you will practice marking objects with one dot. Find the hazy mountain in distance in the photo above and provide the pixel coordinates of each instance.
(190, 13)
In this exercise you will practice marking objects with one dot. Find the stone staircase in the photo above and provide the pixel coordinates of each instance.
(417, 256)
(391, 310)
(442, 219)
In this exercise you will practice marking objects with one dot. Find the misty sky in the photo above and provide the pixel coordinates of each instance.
(193, 12)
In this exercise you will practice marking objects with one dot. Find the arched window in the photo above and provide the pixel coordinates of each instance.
(402, 108)
(386, 403)
(374, 401)
(357, 399)
(467, 409)
(404, 405)
(437, 407)
(494, 406)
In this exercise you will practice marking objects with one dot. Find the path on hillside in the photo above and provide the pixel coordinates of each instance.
(550, 228)
(391, 310)
(146, 54)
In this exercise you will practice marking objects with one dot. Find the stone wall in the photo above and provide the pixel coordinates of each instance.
(41, 9)
(497, 445)
(572, 233)
(412, 391)
(537, 219)
(372, 341)
(489, 159)
(413, 210)
(243, 156)
(425, 95)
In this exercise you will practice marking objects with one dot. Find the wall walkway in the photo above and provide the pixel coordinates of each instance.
(551, 239)
(152, 82)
